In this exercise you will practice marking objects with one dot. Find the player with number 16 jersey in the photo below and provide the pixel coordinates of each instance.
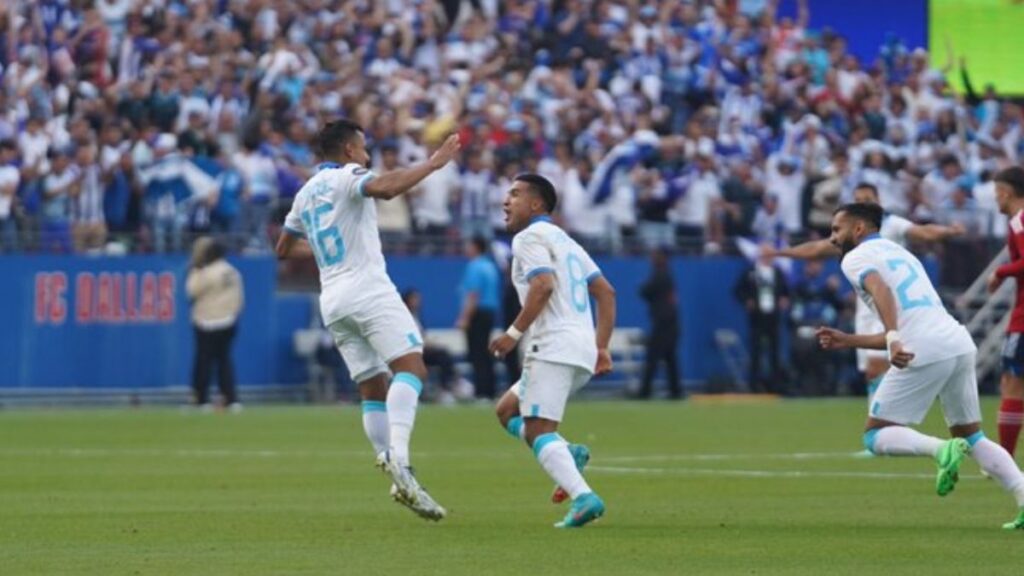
(334, 217)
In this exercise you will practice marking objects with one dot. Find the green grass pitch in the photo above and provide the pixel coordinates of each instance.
(694, 489)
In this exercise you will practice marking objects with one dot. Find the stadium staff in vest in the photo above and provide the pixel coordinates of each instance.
(481, 294)
(215, 290)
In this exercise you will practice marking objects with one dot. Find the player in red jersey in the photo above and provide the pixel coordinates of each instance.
(1010, 197)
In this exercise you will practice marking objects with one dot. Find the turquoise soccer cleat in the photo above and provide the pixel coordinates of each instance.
(585, 509)
(581, 455)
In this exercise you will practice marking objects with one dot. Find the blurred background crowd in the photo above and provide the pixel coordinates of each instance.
(131, 125)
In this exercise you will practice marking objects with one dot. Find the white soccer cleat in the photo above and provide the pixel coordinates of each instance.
(406, 490)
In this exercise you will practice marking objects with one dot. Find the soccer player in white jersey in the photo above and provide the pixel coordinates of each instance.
(873, 363)
(555, 279)
(931, 353)
(334, 218)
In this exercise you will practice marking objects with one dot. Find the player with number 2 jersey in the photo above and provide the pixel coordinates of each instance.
(932, 356)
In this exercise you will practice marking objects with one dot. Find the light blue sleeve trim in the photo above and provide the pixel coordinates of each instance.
(539, 271)
(543, 440)
(594, 276)
(374, 406)
(863, 276)
(975, 438)
(410, 380)
(361, 186)
(294, 232)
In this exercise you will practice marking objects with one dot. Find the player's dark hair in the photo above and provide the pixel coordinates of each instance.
(868, 186)
(334, 135)
(867, 213)
(542, 187)
(1012, 177)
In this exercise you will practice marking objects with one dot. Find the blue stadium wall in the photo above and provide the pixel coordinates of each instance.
(123, 323)
(109, 323)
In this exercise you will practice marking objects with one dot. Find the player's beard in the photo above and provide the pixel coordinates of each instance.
(847, 246)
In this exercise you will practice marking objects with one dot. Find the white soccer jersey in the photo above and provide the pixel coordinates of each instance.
(865, 321)
(563, 333)
(340, 223)
(926, 329)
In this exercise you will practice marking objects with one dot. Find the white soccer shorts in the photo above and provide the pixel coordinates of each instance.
(545, 387)
(372, 337)
(905, 396)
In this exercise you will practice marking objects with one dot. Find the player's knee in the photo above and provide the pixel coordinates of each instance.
(1012, 386)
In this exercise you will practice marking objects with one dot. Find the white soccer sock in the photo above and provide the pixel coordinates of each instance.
(403, 397)
(552, 451)
(997, 462)
(375, 424)
(901, 441)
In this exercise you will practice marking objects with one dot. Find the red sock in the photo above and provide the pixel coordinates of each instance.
(1011, 414)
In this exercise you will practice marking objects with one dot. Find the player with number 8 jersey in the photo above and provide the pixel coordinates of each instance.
(334, 215)
(555, 279)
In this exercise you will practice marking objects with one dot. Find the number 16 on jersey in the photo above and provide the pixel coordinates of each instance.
(321, 240)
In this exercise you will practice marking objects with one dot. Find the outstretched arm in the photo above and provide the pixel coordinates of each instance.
(398, 182)
(934, 232)
(812, 250)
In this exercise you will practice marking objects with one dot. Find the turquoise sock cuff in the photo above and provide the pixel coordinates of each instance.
(975, 438)
(869, 439)
(514, 426)
(409, 379)
(543, 440)
(374, 406)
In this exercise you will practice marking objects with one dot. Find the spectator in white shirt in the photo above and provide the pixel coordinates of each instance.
(695, 212)
(786, 182)
(476, 183)
(9, 179)
(60, 190)
(90, 228)
(260, 177)
(393, 217)
(431, 205)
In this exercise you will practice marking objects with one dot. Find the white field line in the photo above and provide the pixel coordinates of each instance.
(260, 453)
(634, 470)
(765, 473)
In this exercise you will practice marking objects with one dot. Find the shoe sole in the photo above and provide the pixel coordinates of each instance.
(594, 517)
(949, 472)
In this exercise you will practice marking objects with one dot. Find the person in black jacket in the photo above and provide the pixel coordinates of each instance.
(659, 291)
(762, 290)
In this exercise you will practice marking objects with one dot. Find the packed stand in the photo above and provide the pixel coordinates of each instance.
(132, 125)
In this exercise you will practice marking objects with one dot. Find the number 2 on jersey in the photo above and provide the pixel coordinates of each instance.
(318, 239)
(902, 291)
(577, 283)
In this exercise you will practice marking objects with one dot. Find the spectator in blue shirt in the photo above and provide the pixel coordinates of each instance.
(480, 296)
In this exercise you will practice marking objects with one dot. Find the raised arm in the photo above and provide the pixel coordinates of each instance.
(398, 182)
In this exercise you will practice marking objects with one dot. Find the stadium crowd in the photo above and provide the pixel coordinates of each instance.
(136, 123)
